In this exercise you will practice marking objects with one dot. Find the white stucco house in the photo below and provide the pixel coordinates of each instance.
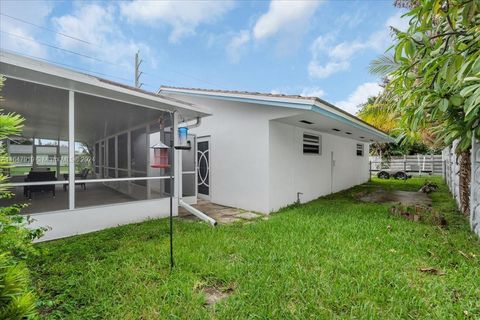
(262, 152)
(87, 158)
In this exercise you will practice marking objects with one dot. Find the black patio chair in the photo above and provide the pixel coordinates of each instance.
(39, 176)
(78, 176)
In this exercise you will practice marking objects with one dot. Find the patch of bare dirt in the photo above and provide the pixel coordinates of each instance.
(420, 214)
(396, 196)
(214, 294)
(433, 271)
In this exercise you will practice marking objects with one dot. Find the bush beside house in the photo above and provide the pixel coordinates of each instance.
(17, 300)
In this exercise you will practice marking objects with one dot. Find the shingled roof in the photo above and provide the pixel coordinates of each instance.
(265, 94)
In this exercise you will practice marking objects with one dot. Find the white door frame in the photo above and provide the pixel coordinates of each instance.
(209, 170)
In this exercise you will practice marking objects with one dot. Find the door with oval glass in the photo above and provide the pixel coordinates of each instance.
(203, 169)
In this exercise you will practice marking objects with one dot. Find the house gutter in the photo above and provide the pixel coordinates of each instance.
(197, 123)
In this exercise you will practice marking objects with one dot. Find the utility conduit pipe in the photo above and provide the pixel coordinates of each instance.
(197, 213)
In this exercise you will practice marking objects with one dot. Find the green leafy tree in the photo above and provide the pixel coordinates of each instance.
(434, 76)
(382, 114)
(16, 299)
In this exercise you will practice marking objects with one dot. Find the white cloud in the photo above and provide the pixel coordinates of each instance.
(328, 59)
(398, 22)
(236, 46)
(286, 18)
(359, 95)
(346, 50)
(183, 16)
(351, 20)
(35, 12)
(324, 71)
(19, 40)
(283, 15)
(312, 92)
(98, 26)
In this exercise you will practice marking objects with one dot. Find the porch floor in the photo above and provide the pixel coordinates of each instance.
(94, 195)
(222, 214)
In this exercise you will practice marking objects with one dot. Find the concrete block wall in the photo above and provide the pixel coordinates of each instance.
(451, 176)
(475, 188)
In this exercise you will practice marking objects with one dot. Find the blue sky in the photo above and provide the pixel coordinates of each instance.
(293, 47)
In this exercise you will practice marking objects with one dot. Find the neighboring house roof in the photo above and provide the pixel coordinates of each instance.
(314, 104)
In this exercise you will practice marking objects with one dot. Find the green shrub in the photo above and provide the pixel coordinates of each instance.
(16, 299)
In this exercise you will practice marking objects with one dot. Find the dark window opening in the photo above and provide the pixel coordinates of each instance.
(311, 144)
(360, 150)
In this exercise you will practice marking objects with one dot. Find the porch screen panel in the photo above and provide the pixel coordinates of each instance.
(111, 158)
(122, 151)
(188, 168)
(39, 154)
(139, 151)
(124, 134)
(97, 157)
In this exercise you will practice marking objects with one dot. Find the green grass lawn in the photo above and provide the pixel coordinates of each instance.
(334, 257)
(18, 171)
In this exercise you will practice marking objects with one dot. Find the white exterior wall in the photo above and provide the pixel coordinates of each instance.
(291, 171)
(258, 164)
(239, 172)
(67, 223)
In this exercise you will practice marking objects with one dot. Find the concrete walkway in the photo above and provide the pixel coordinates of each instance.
(222, 214)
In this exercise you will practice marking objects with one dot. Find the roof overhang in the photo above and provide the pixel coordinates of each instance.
(39, 72)
(308, 107)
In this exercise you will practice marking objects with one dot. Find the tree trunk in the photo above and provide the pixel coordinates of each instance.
(465, 177)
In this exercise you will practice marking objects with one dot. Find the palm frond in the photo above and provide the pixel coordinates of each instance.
(383, 65)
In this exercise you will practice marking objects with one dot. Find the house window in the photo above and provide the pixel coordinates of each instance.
(359, 149)
(312, 144)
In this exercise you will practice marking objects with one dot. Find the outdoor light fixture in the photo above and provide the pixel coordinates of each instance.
(183, 143)
(160, 156)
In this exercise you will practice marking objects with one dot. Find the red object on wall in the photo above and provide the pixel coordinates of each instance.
(160, 156)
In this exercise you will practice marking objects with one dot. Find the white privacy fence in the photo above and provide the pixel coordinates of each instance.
(419, 164)
(451, 176)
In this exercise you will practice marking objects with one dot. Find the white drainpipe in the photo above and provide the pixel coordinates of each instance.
(197, 213)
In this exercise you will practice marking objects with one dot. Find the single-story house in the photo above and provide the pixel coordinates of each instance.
(96, 148)
(109, 132)
(262, 152)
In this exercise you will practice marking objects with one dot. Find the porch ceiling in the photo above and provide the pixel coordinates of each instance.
(45, 110)
(326, 124)
(14, 66)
